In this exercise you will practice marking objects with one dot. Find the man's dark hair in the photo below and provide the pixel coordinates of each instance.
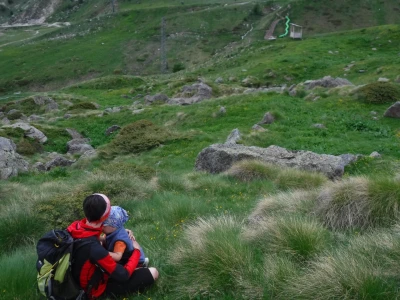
(94, 207)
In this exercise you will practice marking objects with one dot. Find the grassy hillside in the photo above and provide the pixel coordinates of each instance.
(257, 231)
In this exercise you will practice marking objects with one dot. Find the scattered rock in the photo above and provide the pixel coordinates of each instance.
(12, 111)
(257, 127)
(156, 98)
(110, 110)
(96, 105)
(78, 146)
(374, 49)
(39, 167)
(5, 121)
(219, 80)
(326, 82)
(112, 129)
(89, 154)
(393, 111)
(349, 158)
(220, 157)
(73, 133)
(10, 161)
(1, 114)
(51, 106)
(67, 103)
(375, 155)
(58, 161)
(361, 71)
(67, 116)
(251, 81)
(373, 113)
(267, 119)
(33, 118)
(383, 79)
(222, 110)
(192, 94)
(318, 125)
(233, 137)
(397, 80)
(137, 111)
(30, 131)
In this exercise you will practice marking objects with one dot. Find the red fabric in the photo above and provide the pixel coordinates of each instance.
(80, 230)
(101, 257)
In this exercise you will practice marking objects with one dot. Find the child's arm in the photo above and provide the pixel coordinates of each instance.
(119, 249)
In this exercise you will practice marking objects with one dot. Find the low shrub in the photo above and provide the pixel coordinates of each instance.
(378, 92)
(126, 169)
(15, 115)
(83, 105)
(178, 67)
(137, 137)
(27, 146)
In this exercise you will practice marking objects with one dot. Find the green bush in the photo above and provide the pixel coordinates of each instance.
(178, 67)
(137, 137)
(27, 146)
(379, 92)
(248, 170)
(83, 105)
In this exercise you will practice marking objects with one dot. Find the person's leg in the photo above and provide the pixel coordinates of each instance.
(140, 279)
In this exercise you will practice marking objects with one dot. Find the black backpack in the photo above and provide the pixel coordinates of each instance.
(55, 253)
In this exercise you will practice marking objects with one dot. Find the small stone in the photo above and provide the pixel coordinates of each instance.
(267, 119)
(374, 49)
(258, 128)
(319, 126)
(112, 129)
(222, 110)
(375, 155)
(383, 79)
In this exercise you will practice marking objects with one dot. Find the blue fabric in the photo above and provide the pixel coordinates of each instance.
(117, 218)
(121, 235)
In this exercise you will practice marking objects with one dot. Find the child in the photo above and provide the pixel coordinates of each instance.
(117, 240)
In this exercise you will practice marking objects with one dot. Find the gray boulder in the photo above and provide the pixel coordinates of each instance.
(73, 133)
(10, 161)
(112, 129)
(5, 121)
(220, 157)
(258, 128)
(326, 82)
(192, 94)
(112, 110)
(78, 146)
(30, 131)
(267, 119)
(156, 98)
(233, 137)
(39, 167)
(33, 118)
(393, 111)
(375, 154)
(58, 161)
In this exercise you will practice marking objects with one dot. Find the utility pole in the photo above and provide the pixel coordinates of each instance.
(163, 47)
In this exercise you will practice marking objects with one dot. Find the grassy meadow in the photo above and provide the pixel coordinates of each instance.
(256, 231)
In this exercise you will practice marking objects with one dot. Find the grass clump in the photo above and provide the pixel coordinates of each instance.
(83, 105)
(212, 259)
(284, 178)
(28, 146)
(298, 237)
(366, 269)
(360, 203)
(111, 82)
(379, 92)
(248, 170)
(137, 137)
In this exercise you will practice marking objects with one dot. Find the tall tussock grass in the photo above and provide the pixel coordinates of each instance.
(365, 269)
(211, 259)
(285, 178)
(359, 203)
(298, 237)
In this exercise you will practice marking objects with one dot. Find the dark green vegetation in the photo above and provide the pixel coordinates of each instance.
(255, 232)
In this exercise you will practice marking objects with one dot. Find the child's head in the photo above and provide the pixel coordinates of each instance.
(96, 208)
(116, 220)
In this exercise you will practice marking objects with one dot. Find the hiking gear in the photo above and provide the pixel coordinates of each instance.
(86, 260)
(117, 218)
(55, 252)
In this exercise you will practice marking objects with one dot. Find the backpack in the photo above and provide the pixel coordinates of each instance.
(55, 253)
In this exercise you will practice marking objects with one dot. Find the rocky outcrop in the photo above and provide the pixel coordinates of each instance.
(112, 129)
(326, 82)
(156, 98)
(58, 161)
(30, 131)
(220, 157)
(233, 138)
(10, 161)
(192, 94)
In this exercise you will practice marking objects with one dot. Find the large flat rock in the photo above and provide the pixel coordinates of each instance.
(220, 157)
